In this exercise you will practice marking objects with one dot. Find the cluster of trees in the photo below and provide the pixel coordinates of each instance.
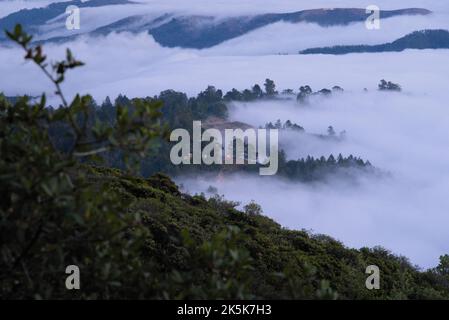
(305, 170)
(310, 168)
(332, 134)
(254, 93)
(389, 86)
(270, 92)
(287, 125)
(306, 91)
(178, 109)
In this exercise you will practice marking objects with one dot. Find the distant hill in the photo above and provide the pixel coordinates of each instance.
(425, 39)
(187, 31)
(34, 18)
(203, 32)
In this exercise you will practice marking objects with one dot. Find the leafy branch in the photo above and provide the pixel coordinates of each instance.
(134, 129)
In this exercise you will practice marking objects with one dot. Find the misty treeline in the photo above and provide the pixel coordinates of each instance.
(177, 110)
(287, 125)
(302, 94)
(142, 238)
(292, 126)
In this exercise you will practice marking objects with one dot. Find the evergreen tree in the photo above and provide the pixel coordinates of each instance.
(270, 88)
(304, 93)
(257, 91)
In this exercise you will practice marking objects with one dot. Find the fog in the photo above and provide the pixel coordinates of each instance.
(402, 134)
(138, 66)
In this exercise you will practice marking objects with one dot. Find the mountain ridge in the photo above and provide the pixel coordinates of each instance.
(189, 31)
(422, 39)
(177, 32)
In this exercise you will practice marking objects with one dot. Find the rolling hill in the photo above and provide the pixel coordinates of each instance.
(424, 39)
(174, 30)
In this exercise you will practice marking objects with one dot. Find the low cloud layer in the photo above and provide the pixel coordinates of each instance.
(403, 134)
(138, 66)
